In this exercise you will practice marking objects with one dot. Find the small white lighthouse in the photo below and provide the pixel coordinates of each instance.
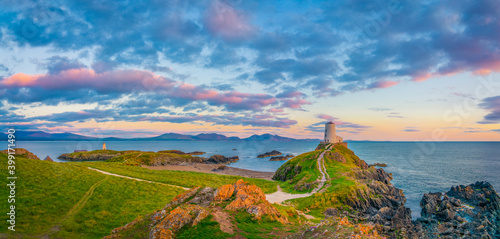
(330, 136)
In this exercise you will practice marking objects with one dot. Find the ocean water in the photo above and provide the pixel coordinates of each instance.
(417, 168)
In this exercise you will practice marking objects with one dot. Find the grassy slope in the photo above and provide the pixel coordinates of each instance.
(308, 174)
(340, 185)
(47, 192)
(180, 178)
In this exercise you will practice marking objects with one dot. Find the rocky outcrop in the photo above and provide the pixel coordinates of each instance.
(48, 159)
(280, 158)
(377, 202)
(22, 152)
(220, 168)
(196, 153)
(269, 154)
(287, 172)
(164, 157)
(471, 211)
(382, 165)
(174, 151)
(220, 159)
(196, 204)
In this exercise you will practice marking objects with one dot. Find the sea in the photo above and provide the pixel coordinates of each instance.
(417, 167)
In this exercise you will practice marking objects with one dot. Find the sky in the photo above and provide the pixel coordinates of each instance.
(380, 70)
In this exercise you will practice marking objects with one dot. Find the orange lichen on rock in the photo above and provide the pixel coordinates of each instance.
(225, 192)
(253, 200)
(176, 219)
(246, 195)
(344, 222)
(201, 215)
(194, 205)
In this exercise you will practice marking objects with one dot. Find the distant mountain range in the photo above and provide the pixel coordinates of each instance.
(43, 136)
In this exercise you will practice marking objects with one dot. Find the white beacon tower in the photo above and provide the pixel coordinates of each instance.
(330, 136)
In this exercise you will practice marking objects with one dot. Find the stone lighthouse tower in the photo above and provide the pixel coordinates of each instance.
(329, 132)
(330, 136)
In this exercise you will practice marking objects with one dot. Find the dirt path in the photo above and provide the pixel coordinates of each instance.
(75, 209)
(223, 218)
(137, 179)
(280, 196)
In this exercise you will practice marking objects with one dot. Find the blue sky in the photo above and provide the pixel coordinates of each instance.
(381, 70)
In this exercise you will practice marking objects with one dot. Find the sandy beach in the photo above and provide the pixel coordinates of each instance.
(207, 168)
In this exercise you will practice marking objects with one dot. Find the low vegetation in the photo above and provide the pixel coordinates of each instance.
(302, 172)
(339, 163)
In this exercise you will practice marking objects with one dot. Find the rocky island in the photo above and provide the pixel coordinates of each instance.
(133, 157)
(269, 154)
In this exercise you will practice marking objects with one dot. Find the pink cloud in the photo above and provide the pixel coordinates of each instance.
(382, 84)
(295, 103)
(73, 79)
(225, 21)
(126, 81)
(276, 110)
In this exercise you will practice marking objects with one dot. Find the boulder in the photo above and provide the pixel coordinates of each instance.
(220, 159)
(269, 154)
(220, 168)
(278, 158)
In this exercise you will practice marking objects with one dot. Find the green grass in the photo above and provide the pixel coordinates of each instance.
(338, 188)
(252, 228)
(179, 178)
(308, 174)
(52, 194)
(206, 228)
(100, 151)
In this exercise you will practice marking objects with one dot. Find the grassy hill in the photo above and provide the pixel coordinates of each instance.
(68, 201)
(341, 164)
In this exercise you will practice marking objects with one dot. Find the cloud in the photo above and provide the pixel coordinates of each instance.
(491, 104)
(395, 115)
(222, 19)
(382, 84)
(380, 109)
(328, 51)
(411, 129)
(342, 126)
(116, 83)
(56, 64)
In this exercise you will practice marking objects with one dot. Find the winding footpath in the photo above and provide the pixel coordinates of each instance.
(280, 196)
(136, 179)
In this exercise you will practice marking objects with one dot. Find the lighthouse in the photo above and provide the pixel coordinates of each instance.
(330, 136)
(103, 146)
